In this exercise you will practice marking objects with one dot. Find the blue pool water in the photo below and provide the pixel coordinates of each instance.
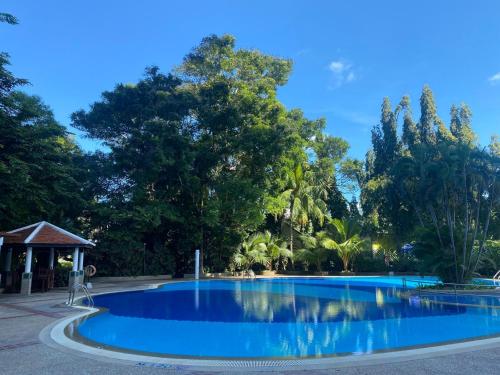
(282, 318)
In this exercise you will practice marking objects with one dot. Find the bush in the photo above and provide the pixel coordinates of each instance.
(61, 274)
(366, 261)
(491, 262)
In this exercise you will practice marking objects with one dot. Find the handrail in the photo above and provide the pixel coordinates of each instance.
(74, 290)
(456, 286)
(497, 275)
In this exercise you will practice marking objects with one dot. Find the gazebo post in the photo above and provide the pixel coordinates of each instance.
(74, 274)
(8, 265)
(80, 266)
(51, 258)
(27, 275)
(1, 243)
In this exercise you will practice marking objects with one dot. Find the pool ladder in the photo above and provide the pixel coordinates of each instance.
(496, 277)
(74, 290)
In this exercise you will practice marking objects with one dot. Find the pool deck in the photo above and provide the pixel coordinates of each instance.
(22, 351)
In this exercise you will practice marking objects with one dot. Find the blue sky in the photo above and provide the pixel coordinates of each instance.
(347, 55)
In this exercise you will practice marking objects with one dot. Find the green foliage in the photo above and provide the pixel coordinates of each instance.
(439, 181)
(204, 156)
(340, 235)
(491, 259)
(40, 166)
(261, 249)
(61, 273)
(305, 200)
(346, 240)
(200, 157)
(313, 251)
(8, 18)
(366, 261)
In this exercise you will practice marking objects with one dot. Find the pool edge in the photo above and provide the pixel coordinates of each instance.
(55, 336)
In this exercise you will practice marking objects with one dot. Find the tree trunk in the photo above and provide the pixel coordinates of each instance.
(466, 229)
(346, 265)
(291, 230)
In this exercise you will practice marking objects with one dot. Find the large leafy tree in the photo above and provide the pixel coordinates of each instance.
(39, 161)
(455, 193)
(193, 155)
(438, 186)
(142, 189)
(239, 122)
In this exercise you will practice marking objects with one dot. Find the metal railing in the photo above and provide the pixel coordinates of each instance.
(456, 290)
(74, 290)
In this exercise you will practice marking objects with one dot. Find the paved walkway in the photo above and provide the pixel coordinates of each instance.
(21, 352)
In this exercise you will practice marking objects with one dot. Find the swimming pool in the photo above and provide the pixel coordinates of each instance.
(278, 318)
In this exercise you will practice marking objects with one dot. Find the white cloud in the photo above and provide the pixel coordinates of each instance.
(337, 66)
(342, 72)
(495, 78)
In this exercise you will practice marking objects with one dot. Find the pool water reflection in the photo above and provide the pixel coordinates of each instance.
(280, 318)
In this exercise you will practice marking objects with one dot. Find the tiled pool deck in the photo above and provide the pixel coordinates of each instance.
(22, 318)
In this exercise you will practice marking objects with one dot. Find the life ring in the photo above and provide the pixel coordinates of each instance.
(90, 270)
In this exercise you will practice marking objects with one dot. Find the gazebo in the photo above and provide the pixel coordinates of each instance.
(39, 239)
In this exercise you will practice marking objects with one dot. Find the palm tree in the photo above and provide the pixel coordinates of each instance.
(253, 251)
(261, 248)
(344, 237)
(306, 200)
(313, 251)
(276, 250)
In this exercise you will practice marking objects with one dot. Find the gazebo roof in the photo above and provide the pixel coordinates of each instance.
(43, 234)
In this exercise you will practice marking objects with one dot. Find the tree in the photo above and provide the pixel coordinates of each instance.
(261, 248)
(385, 214)
(385, 141)
(455, 194)
(427, 117)
(194, 155)
(345, 237)
(305, 199)
(40, 166)
(312, 251)
(7, 80)
(253, 251)
(8, 18)
(441, 188)
(277, 251)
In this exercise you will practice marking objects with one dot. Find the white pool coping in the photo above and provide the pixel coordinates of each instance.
(54, 336)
